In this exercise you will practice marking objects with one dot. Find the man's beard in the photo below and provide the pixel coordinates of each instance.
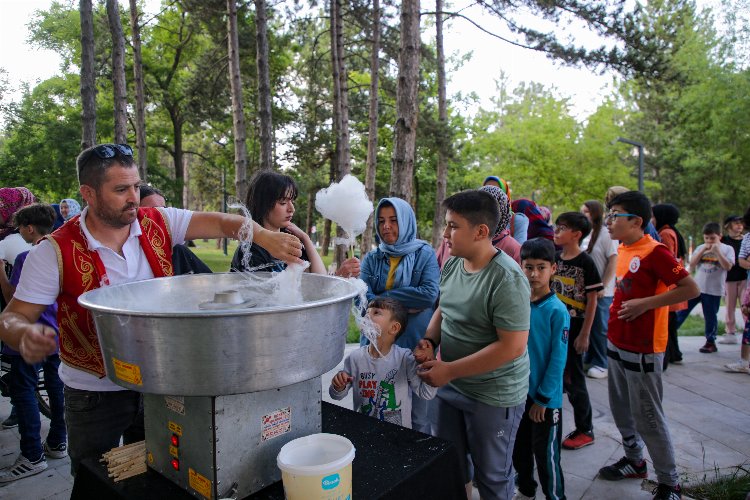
(115, 218)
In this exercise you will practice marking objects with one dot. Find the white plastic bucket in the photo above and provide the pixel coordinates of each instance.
(317, 467)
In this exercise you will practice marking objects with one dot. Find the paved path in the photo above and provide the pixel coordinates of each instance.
(708, 411)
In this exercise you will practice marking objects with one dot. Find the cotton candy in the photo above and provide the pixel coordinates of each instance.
(345, 203)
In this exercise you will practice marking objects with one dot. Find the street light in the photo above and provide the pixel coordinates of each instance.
(639, 145)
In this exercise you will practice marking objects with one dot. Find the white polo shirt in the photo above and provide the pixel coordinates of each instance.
(40, 279)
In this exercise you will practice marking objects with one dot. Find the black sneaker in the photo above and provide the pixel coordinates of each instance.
(10, 422)
(624, 469)
(665, 492)
(708, 348)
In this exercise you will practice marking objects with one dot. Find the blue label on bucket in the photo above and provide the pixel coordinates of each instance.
(330, 482)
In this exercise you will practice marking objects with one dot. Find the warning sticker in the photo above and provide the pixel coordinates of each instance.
(276, 423)
(127, 372)
(175, 428)
(175, 403)
(199, 483)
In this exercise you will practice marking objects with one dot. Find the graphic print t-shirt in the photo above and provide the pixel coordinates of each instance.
(383, 386)
(573, 280)
(709, 274)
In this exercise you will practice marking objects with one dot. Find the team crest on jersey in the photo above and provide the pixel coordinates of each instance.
(565, 335)
(635, 264)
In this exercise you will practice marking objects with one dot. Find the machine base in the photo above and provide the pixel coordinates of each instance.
(222, 446)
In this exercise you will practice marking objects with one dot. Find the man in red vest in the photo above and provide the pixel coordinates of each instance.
(112, 241)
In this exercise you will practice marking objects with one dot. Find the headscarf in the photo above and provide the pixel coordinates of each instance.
(667, 214)
(406, 244)
(538, 226)
(74, 208)
(12, 199)
(503, 203)
(59, 221)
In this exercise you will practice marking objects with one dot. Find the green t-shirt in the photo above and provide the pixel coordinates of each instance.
(473, 305)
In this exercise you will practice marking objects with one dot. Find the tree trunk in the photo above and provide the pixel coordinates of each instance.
(264, 86)
(177, 157)
(407, 105)
(442, 164)
(372, 139)
(342, 154)
(238, 112)
(118, 72)
(140, 93)
(88, 80)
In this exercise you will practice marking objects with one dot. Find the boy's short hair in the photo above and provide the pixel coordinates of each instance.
(478, 207)
(396, 308)
(634, 202)
(576, 221)
(712, 228)
(538, 248)
(39, 215)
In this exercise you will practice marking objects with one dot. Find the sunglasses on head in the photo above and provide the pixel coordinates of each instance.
(106, 151)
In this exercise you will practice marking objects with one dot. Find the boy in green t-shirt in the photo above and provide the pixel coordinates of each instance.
(482, 326)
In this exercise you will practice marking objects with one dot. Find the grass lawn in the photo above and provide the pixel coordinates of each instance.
(694, 327)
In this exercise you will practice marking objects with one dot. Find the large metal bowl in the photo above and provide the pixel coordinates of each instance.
(156, 339)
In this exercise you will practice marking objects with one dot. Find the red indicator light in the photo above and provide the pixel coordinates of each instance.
(175, 464)
(175, 440)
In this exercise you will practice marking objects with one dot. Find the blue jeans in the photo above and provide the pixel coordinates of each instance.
(597, 353)
(710, 305)
(97, 421)
(23, 382)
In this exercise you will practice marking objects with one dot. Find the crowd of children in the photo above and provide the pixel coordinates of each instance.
(504, 341)
(508, 348)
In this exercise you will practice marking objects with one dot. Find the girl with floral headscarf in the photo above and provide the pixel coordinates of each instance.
(403, 268)
(69, 208)
(11, 199)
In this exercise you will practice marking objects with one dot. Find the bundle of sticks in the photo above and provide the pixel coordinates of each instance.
(126, 461)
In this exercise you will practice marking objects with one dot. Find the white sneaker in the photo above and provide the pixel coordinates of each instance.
(596, 372)
(22, 468)
(59, 451)
(740, 366)
(729, 338)
(521, 496)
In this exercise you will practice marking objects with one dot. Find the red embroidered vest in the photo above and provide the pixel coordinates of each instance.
(82, 270)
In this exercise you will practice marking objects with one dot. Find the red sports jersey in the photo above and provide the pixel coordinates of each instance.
(644, 269)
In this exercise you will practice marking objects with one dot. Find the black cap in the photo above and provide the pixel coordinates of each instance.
(732, 218)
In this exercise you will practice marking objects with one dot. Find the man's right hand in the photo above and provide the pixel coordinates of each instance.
(282, 245)
(37, 342)
(349, 268)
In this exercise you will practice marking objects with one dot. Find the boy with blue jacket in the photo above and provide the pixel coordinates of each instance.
(539, 435)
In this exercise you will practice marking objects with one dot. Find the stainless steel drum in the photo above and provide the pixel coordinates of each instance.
(156, 338)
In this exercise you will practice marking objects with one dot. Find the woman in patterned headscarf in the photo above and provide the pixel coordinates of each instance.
(502, 238)
(69, 208)
(11, 199)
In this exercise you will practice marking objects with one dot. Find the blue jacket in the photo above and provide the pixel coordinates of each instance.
(422, 292)
(548, 350)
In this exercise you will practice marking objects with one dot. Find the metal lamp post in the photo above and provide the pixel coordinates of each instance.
(639, 145)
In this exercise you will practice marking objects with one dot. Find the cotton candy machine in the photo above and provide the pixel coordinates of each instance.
(227, 378)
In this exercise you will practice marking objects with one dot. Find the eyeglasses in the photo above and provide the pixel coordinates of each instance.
(106, 151)
(560, 228)
(611, 215)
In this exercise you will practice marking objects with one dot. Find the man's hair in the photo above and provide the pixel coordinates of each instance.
(39, 215)
(539, 249)
(92, 169)
(396, 308)
(633, 202)
(147, 190)
(712, 228)
(576, 221)
(478, 207)
(266, 188)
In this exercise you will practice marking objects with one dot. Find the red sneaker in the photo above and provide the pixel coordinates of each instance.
(578, 439)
